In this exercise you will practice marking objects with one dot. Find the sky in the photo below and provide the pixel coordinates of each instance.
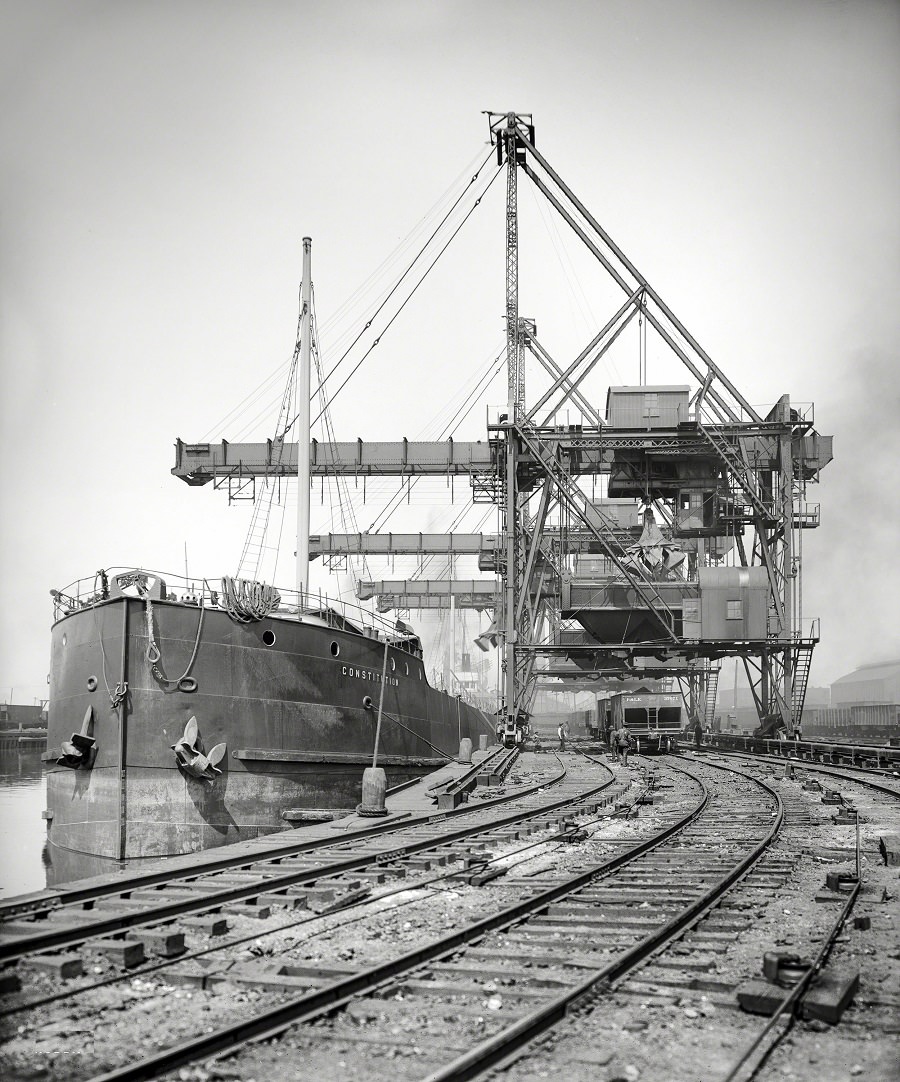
(160, 163)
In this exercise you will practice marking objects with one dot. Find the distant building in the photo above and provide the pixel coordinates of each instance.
(14, 716)
(875, 683)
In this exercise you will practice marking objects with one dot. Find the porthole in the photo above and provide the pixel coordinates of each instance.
(92, 683)
(393, 665)
(65, 638)
(335, 649)
(406, 663)
(268, 637)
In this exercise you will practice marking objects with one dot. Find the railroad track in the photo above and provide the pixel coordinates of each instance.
(675, 1018)
(566, 944)
(560, 943)
(319, 879)
(237, 856)
(881, 781)
(101, 906)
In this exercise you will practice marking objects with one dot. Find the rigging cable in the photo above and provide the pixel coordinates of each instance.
(277, 373)
(468, 404)
(410, 295)
(418, 256)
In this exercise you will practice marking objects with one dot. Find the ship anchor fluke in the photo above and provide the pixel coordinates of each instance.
(81, 750)
(191, 757)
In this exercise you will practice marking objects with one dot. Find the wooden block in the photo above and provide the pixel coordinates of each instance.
(760, 997)
(123, 952)
(189, 975)
(164, 941)
(830, 995)
(889, 847)
(260, 912)
(64, 966)
(210, 923)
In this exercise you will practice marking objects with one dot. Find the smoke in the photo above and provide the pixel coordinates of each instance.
(852, 561)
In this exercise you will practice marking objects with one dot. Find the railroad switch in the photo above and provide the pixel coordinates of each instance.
(784, 968)
(832, 796)
(477, 877)
(837, 886)
(842, 882)
(476, 860)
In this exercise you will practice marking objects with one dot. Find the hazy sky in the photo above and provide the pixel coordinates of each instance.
(162, 161)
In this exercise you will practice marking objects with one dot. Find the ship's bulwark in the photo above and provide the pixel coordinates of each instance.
(285, 697)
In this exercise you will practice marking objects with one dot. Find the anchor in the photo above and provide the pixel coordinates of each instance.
(192, 759)
(81, 750)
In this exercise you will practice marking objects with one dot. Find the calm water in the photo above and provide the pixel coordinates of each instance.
(22, 830)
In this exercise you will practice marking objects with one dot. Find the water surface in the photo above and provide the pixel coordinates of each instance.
(23, 832)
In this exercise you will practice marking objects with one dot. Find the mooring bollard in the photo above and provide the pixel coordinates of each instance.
(374, 785)
(465, 750)
(482, 742)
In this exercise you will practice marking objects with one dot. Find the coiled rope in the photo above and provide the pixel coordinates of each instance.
(245, 600)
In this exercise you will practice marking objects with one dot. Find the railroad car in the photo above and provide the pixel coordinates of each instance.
(513, 733)
(858, 722)
(654, 719)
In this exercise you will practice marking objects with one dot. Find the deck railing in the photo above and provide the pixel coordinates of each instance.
(87, 592)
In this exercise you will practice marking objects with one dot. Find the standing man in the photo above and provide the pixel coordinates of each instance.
(622, 741)
(561, 733)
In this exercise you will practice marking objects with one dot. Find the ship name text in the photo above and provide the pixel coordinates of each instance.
(368, 674)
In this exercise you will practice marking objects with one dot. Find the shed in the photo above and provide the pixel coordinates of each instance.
(733, 605)
(659, 406)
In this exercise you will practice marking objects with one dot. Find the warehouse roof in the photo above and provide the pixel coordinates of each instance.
(878, 670)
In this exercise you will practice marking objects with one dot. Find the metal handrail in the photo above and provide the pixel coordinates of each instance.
(85, 593)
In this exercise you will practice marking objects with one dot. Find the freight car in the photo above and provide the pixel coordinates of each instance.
(861, 722)
(654, 719)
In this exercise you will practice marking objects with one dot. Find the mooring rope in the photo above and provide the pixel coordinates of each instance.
(185, 682)
(245, 600)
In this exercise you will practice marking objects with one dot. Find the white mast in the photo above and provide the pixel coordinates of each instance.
(303, 384)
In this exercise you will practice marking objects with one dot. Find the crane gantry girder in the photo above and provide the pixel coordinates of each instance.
(586, 452)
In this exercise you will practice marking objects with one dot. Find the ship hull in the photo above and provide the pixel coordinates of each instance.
(294, 701)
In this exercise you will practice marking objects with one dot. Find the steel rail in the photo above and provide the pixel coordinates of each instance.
(26, 905)
(800, 764)
(791, 1001)
(418, 885)
(22, 946)
(324, 1000)
(499, 1047)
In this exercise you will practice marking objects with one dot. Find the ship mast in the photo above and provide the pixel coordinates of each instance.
(303, 384)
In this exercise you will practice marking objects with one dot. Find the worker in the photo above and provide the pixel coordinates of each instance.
(561, 733)
(622, 743)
